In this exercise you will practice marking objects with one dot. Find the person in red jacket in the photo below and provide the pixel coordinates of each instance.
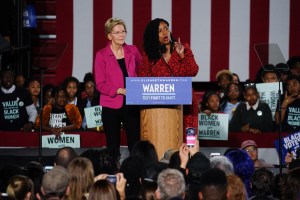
(165, 57)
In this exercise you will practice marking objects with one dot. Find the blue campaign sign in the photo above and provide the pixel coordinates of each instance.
(158, 90)
(290, 142)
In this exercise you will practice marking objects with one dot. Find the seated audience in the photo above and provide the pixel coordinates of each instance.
(222, 163)
(210, 102)
(224, 77)
(213, 184)
(262, 184)
(17, 109)
(81, 178)
(20, 188)
(60, 116)
(290, 106)
(250, 147)
(91, 99)
(64, 156)
(236, 188)
(170, 184)
(55, 184)
(252, 115)
(243, 167)
(34, 87)
(233, 97)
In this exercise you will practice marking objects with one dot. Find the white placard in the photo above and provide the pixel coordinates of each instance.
(71, 140)
(93, 116)
(213, 127)
(268, 93)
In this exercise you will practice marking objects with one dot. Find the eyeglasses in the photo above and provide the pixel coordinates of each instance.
(118, 33)
(249, 85)
(250, 150)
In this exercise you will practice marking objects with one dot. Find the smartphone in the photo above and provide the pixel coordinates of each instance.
(112, 179)
(48, 168)
(214, 154)
(191, 136)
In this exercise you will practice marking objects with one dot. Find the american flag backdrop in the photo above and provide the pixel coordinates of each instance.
(221, 33)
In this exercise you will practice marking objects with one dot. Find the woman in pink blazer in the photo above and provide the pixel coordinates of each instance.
(112, 64)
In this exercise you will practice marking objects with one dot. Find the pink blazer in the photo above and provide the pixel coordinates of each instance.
(109, 76)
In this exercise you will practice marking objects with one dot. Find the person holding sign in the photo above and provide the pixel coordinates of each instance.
(165, 57)
(252, 115)
(113, 64)
(60, 116)
(290, 106)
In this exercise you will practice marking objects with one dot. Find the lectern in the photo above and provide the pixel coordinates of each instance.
(161, 115)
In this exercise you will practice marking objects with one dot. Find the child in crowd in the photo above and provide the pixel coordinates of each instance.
(34, 88)
(210, 102)
(233, 97)
(252, 115)
(60, 116)
(72, 87)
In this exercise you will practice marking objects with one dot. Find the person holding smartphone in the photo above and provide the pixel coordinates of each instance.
(290, 106)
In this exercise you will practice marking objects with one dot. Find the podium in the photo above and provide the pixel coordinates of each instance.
(163, 127)
(161, 115)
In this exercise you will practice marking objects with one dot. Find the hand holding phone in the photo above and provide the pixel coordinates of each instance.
(191, 137)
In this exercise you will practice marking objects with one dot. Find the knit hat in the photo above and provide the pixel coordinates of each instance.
(55, 181)
(197, 164)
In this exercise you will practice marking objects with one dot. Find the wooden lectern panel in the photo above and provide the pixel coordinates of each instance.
(163, 127)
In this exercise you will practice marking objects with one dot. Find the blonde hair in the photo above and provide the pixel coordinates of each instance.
(236, 188)
(19, 186)
(111, 23)
(102, 189)
(82, 177)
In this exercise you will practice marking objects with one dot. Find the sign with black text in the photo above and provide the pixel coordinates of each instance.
(93, 116)
(70, 140)
(213, 127)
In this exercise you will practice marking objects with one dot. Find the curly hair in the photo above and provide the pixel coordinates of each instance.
(152, 46)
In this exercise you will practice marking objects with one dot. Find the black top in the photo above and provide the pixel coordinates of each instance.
(123, 68)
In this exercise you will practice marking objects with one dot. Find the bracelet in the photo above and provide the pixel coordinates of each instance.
(98, 128)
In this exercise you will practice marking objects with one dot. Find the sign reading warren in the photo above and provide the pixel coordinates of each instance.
(213, 127)
(70, 140)
(158, 90)
(93, 116)
(268, 93)
(290, 142)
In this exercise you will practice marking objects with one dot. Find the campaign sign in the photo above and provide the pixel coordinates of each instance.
(268, 93)
(70, 140)
(213, 127)
(158, 90)
(290, 142)
(93, 116)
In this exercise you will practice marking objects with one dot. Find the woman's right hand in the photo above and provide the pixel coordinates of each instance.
(121, 91)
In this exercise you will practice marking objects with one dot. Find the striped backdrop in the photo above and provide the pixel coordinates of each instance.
(221, 33)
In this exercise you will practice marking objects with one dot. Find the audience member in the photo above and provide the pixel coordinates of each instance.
(222, 163)
(269, 75)
(17, 109)
(60, 116)
(35, 171)
(20, 188)
(47, 97)
(33, 85)
(91, 99)
(262, 184)
(6, 173)
(148, 189)
(236, 188)
(294, 65)
(213, 184)
(290, 105)
(170, 184)
(81, 178)
(102, 189)
(64, 156)
(210, 102)
(72, 88)
(233, 97)
(223, 77)
(235, 78)
(243, 167)
(250, 147)
(20, 80)
(55, 184)
(252, 115)
(146, 150)
(291, 185)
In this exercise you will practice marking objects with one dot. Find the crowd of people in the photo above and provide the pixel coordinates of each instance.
(189, 174)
